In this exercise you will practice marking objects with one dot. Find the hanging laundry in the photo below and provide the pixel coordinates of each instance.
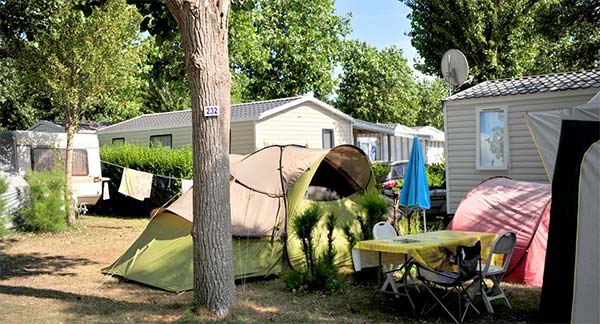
(161, 182)
(136, 184)
(105, 193)
(186, 185)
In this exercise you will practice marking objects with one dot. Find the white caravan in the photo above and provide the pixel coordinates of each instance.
(23, 151)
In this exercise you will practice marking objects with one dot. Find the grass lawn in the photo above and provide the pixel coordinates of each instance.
(53, 278)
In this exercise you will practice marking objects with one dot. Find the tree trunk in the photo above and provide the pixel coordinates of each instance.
(203, 25)
(70, 129)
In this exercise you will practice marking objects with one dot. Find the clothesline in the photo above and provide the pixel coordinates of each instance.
(123, 167)
(158, 175)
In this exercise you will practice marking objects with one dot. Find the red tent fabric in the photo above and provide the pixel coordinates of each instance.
(501, 204)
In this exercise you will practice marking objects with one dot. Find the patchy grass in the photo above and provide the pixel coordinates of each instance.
(53, 278)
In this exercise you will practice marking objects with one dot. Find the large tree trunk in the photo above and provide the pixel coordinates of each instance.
(203, 25)
(70, 129)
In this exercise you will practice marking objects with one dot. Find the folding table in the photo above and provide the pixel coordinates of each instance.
(426, 248)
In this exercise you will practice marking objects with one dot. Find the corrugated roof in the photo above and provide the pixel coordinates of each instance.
(531, 84)
(183, 118)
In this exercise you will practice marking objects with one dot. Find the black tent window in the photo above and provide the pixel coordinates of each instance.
(329, 184)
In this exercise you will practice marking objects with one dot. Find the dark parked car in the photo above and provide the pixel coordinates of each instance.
(437, 196)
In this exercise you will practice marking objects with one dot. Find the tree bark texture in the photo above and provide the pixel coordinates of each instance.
(70, 129)
(203, 25)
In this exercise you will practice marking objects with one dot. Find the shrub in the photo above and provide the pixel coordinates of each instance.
(3, 189)
(45, 211)
(436, 175)
(410, 223)
(374, 207)
(177, 163)
(303, 226)
(321, 272)
(380, 171)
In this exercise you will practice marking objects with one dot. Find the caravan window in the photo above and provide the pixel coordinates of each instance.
(492, 151)
(118, 140)
(43, 160)
(161, 140)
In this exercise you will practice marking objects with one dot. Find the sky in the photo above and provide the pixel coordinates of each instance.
(380, 23)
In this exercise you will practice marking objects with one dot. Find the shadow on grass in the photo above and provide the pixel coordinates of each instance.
(33, 264)
(83, 304)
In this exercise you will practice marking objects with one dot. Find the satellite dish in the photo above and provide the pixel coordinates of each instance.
(455, 67)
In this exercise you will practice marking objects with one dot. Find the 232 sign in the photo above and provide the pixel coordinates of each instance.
(211, 111)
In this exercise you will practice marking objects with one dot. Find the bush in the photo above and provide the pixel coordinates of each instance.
(304, 226)
(410, 223)
(177, 163)
(374, 207)
(321, 272)
(3, 189)
(436, 175)
(380, 171)
(45, 211)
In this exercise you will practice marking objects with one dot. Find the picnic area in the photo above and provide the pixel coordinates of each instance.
(54, 278)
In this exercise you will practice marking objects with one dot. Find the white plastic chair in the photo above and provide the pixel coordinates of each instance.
(505, 245)
(383, 230)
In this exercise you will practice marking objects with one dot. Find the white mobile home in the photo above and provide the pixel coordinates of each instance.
(393, 142)
(23, 151)
(302, 120)
(486, 134)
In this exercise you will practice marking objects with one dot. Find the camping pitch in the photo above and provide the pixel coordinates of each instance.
(268, 188)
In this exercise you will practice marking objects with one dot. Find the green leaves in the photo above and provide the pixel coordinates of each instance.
(503, 39)
(379, 86)
(89, 66)
(285, 48)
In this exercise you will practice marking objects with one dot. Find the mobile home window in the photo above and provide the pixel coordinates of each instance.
(163, 140)
(492, 139)
(118, 140)
(328, 141)
(43, 160)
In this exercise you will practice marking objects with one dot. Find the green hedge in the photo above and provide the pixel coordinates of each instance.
(176, 163)
(436, 175)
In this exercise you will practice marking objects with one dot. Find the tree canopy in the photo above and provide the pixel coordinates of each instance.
(507, 38)
(286, 48)
(379, 86)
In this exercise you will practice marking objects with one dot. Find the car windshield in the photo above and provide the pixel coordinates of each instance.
(398, 171)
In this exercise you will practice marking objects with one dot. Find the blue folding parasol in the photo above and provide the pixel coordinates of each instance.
(415, 190)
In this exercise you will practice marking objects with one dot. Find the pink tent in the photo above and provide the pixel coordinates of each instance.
(501, 204)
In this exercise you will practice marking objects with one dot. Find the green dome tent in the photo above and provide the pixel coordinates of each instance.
(267, 189)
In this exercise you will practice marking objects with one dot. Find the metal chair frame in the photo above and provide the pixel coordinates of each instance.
(459, 283)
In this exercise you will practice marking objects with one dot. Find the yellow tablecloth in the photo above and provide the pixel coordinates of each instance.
(426, 248)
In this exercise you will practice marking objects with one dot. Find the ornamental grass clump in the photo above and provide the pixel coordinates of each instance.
(321, 273)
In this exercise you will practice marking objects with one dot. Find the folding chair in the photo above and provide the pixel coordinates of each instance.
(505, 245)
(468, 260)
